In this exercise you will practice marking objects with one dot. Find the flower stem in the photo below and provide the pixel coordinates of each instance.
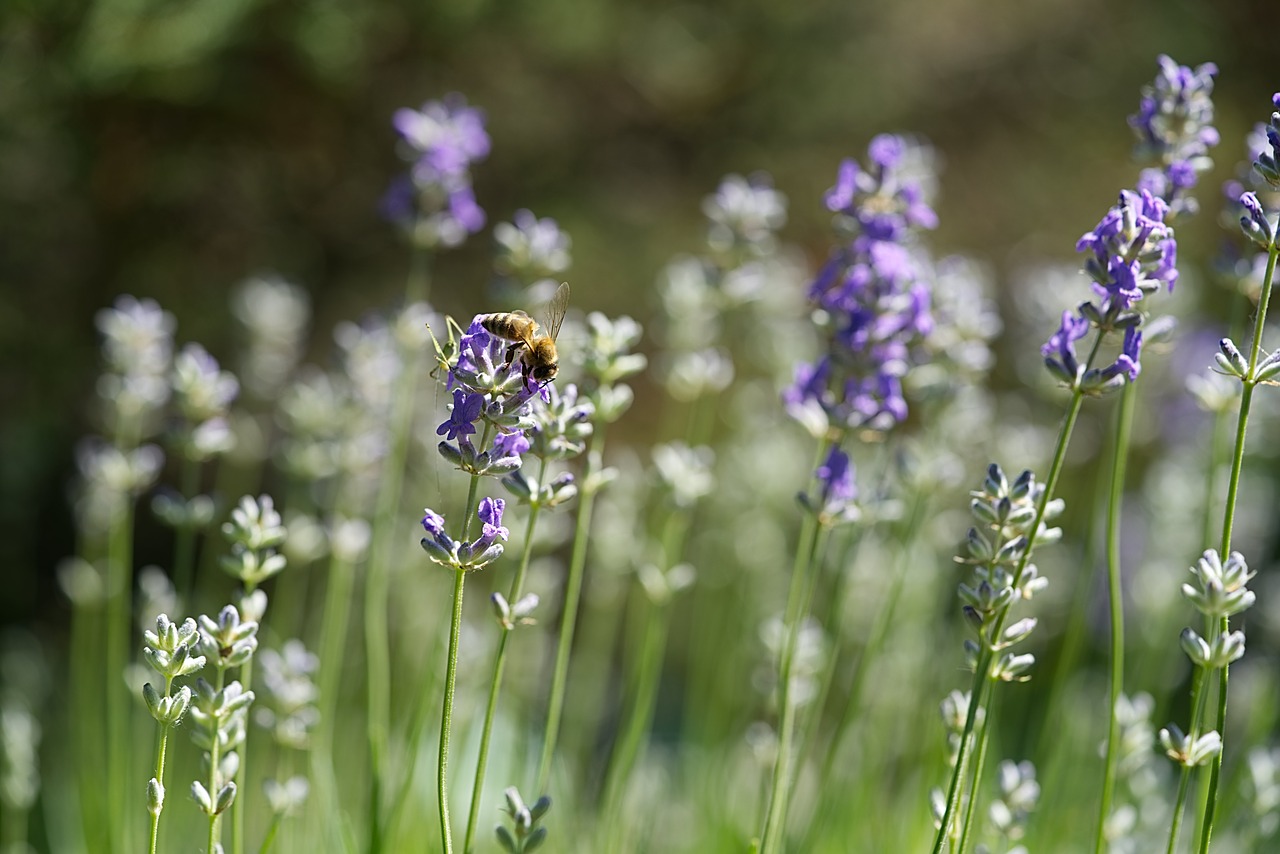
(162, 741)
(495, 686)
(418, 725)
(119, 597)
(1228, 520)
(572, 597)
(214, 724)
(237, 806)
(978, 765)
(446, 712)
(981, 675)
(806, 548)
(1119, 460)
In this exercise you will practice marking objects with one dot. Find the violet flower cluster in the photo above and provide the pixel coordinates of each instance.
(435, 200)
(1174, 128)
(474, 554)
(1257, 224)
(1131, 254)
(872, 297)
(487, 388)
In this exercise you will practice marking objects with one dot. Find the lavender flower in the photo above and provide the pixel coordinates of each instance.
(872, 296)
(1267, 163)
(463, 413)
(478, 553)
(1132, 253)
(1174, 128)
(435, 201)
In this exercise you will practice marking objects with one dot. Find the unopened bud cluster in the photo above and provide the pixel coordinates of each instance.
(1010, 523)
(526, 834)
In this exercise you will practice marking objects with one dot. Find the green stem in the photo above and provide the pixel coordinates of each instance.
(162, 741)
(270, 839)
(118, 630)
(446, 712)
(418, 725)
(499, 663)
(979, 765)
(334, 624)
(237, 806)
(1119, 460)
(985, 658)
(806, 548)
(640, 717)
(572, 598)
(1228, 520)
(215, 724)
(1198, 701)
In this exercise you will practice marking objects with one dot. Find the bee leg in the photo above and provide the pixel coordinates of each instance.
(511, 354)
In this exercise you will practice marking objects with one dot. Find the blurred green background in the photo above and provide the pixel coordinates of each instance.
(171, 148)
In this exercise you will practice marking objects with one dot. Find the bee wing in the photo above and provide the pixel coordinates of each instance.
(528, 329)
(556, 309)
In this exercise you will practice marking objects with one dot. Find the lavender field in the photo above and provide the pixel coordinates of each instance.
(767, 516)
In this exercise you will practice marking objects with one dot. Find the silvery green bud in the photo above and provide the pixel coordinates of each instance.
(226, 797)
(201, 796)
(1013, 668)
(1231, 360)
(155, 796)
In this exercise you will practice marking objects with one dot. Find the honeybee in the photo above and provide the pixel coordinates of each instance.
(538, 357)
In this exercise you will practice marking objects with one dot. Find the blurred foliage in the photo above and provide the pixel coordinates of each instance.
(170, 148)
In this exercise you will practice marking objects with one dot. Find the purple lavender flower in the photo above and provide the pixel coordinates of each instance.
(482, 367)
(873, 293)
(886, 202)
(1133, 252)
(514, 444)
(485, 549)
(490, 514)
(436, 202)
(438, 545)
(462, 416)
(1060, 350)
(1174, 128)
(1267, 163)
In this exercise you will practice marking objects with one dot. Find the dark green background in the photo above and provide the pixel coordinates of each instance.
(170, 148)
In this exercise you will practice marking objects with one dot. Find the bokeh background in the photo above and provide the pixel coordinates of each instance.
(172, 149)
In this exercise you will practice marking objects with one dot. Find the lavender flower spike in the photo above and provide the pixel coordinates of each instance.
(1174, 128)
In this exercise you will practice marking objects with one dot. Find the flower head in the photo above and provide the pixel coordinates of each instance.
(435, 200)
(463, 413)
(873, 295)
(1133, 251)
(1174, 128)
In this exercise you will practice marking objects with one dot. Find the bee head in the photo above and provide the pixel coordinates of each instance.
(545, 373)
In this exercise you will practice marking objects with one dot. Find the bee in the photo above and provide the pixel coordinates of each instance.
(538, 357)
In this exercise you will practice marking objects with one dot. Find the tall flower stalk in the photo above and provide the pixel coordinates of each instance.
(1130, 254)
(559, 429)
(1221, 591)
(436, 206)
(1174, 129)
(872, 309)
(169, 650)
(607, 360)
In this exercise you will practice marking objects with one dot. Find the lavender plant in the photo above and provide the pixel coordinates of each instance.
(872, 307)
